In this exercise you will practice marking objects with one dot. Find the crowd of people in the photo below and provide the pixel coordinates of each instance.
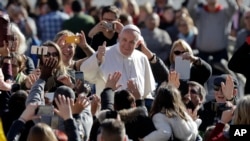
(148, 72)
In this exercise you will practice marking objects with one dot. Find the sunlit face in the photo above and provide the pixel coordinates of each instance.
(109, 17)
(15, 67)
(219, 97)
(183, 26)
(152, 21)
(168, 15)
(130, 8)
(68, 51)
(14, 44)
(52, 52)
(194, 95)
(178, 51)
(128, 40)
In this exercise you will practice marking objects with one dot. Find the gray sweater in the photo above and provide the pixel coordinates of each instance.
(213, 27)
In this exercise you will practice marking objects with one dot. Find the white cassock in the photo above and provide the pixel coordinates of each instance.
(135, 67)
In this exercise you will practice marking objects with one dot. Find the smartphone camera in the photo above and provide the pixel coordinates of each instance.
(72, 39)
(45, 110)
(109, 26)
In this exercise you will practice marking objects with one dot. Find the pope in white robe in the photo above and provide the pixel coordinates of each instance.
(122, 57)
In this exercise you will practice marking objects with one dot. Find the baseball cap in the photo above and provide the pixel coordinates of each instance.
(222, 78)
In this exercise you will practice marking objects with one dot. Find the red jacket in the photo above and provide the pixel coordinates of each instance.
(217, 133)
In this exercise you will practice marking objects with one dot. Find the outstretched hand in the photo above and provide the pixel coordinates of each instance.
(63, 105)
(112, 81)
(47, 68)
(174, 79)
(29, 112)
(80, 104)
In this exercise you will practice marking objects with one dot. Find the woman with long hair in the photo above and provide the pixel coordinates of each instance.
(170, 117)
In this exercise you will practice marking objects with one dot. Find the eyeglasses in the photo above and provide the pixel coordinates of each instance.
(53, 54)
(177, 52)
(192, 91)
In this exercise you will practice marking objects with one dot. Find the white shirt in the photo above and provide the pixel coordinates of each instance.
(135, 67)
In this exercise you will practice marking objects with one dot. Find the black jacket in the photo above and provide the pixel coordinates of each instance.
(236, 64)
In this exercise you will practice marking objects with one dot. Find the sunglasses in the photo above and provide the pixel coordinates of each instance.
(177, 52)
(53, 54)
(192, 91)
(216, 88)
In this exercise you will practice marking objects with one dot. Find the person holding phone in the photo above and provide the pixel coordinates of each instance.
(68, 42)
(107, 29)
(200, 71)
(122, 57)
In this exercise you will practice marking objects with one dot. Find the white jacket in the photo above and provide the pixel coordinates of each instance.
(182, 130)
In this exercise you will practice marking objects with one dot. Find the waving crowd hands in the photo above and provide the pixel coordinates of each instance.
(66, 107)
(228, 87)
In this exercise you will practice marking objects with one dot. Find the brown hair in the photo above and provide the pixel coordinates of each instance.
(41, 132)
(168, 100)
(60, 67)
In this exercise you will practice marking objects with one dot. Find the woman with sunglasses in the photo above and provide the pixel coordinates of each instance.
(58, 71)
(200, 71)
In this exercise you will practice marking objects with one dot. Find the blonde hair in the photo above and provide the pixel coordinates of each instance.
(135, 7)
(147, 7)
(22, 46)
(41, 132)
(60, 68)
(242, 111)
(61, 33)
(183, 44)
(188, 20)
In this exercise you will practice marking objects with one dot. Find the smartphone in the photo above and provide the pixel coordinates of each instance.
(45, 110)
(79, 75)
(72, 39)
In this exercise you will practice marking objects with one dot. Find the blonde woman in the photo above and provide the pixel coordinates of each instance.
(69, 49)
(200, 71)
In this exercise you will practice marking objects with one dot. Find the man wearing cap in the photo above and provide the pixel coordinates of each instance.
(121, 57)
(225, 90)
